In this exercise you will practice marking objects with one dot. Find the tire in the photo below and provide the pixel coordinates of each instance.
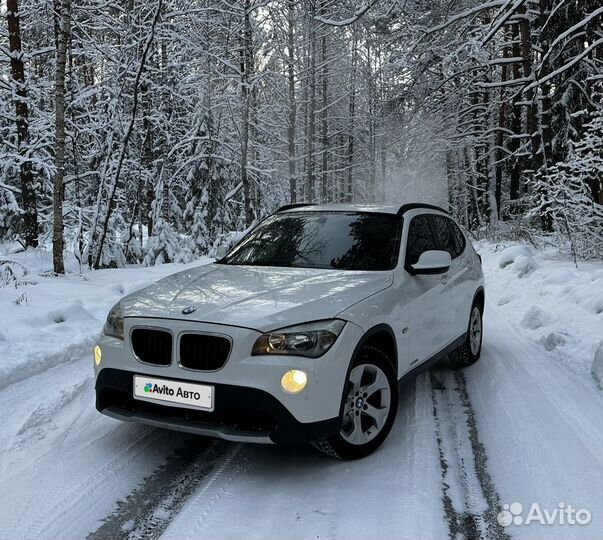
(469, 352)
(362, 433)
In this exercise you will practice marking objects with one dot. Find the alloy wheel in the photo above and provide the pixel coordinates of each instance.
(367, 405)
(475, 331)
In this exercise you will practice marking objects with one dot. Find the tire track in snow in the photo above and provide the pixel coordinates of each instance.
(470, 500)
(147, 511)
(41, 420)
(201, 504)
(86, 487)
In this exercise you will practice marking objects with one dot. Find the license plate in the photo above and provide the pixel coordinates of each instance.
(175, 393)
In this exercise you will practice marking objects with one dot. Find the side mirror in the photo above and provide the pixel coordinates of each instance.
(221, 251)
(432, 262)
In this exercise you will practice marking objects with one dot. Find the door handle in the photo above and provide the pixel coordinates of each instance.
(444, 279)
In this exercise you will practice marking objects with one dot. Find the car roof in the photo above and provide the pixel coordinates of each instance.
(349, 207)
(342, 207)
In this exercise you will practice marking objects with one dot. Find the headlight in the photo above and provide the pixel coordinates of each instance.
(311, 340)
(114, 326)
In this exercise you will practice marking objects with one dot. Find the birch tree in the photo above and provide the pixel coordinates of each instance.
(62, 26)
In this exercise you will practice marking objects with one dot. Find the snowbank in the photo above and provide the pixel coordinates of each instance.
(535, 318)
(545, 297)
(510, 255)
(597, 367)
(46, 321)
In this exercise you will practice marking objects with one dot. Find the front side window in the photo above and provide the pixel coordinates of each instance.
(315, 239)
(420, 239)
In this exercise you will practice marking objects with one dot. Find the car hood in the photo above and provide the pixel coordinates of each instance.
(258, 297)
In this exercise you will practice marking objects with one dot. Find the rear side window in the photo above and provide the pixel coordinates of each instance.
(445, 237)
(458, 236)
(420, 239)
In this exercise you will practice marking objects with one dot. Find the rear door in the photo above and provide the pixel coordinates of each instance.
(428, 323)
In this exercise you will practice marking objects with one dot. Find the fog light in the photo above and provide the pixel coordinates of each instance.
(294, 381)
(98, 355)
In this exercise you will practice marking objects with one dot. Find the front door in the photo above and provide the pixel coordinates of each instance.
(428, 313)
(458, 286)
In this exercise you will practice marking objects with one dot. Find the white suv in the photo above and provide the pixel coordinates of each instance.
(301, 332)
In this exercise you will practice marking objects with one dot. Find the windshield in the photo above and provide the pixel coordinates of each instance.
(344, 240)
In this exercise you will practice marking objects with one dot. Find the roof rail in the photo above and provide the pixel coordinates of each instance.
(293, 205)
(413, 206)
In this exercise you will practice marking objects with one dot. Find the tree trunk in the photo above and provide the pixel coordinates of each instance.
(470, 159)
(542, 136)
(526, 55)
(63, 27)
(310, 178)
(516, 124)
(28, 187)
(246, 70)
(372, 177)
(351, 120)
(383, 194)
(292, 107)
(491, 173)
(164, 175)
(165, 192)
(502, 123)
(324, 135)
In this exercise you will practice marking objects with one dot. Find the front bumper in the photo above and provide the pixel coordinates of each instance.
(240, 414)
(249, 404)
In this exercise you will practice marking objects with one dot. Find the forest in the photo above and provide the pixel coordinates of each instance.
(150, 131)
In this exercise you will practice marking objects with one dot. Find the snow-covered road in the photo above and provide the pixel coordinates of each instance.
(520, 426)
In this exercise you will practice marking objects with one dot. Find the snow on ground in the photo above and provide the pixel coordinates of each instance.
(521, 426)
(549, 300)
(62, 465)
(541, 427)
(294, 492)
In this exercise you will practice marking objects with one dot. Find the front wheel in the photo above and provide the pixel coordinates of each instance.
(369, 409)
(469, 352)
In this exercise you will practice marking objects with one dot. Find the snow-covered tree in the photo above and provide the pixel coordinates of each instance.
(567, 195)
(129, 117)
(199, 231)
(166, 245)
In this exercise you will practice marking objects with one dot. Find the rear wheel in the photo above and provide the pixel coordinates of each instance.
(469, 352)
(369, 409)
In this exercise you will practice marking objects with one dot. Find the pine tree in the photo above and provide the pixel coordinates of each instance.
(567, 193)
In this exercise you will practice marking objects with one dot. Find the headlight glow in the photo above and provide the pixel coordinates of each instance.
(310, 340)
(98, 355)
(114, 326)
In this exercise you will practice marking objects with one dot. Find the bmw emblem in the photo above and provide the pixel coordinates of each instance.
(188, 310)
